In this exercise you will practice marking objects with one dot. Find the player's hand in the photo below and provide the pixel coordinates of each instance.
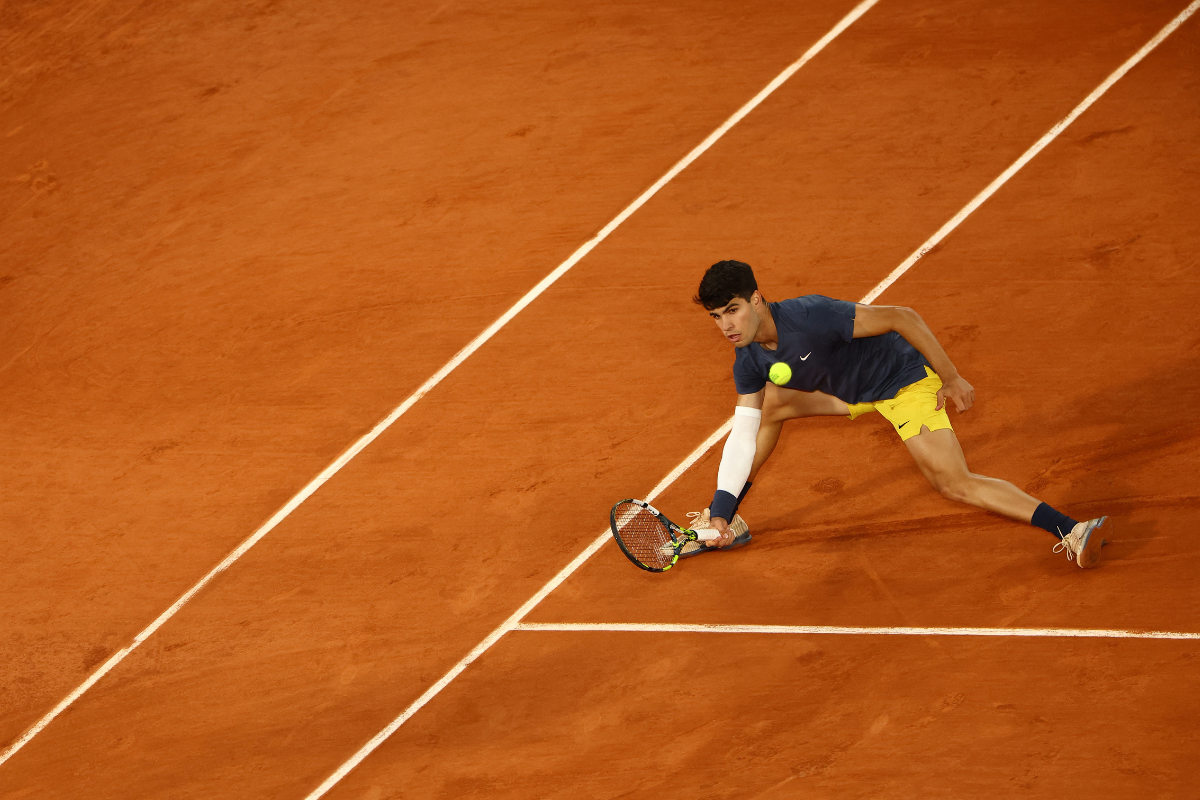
(722, 527)
(958, 390)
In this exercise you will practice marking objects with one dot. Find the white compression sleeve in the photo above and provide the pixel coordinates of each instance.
(738, 456)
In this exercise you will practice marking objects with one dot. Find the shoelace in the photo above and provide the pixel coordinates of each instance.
(1063, 544)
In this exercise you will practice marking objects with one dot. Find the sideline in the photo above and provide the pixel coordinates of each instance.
(461, 356)
(1037, 147)
(511, 623)
(652, 627)
(514, 622)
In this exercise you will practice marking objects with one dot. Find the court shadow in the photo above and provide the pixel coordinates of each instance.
(1123, 456)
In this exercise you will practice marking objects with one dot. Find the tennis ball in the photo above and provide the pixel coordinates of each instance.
(780, 373)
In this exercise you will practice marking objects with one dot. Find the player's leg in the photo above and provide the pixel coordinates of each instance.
(780, 405)
(940, 459)
(927, 433)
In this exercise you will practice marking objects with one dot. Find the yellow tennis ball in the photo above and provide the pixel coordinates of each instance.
(780, 373)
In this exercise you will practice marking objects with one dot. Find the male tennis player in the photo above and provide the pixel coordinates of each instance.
(813, 356)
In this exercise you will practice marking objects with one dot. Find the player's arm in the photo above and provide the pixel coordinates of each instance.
(878, 320)
(737, 459)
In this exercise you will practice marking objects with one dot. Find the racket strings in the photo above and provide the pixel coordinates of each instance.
(644, 535)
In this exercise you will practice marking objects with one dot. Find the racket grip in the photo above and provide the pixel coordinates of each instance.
(707, 534)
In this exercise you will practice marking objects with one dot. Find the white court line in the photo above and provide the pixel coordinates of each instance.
(717, 435)
(650, 627)
(513, 622)
(1037, 147)
(437, 378)
(509, 624)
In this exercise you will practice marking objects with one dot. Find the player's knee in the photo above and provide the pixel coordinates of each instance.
(954, 487)
(775, 414)
(780, 405)
(778, 413)
(773, 410)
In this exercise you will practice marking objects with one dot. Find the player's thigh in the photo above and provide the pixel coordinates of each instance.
(780, 404)
(939, 456)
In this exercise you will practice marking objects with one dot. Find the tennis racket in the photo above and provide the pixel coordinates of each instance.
(649, 539)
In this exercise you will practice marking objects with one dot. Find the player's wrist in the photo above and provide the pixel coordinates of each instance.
(948, 375)
(723, 506)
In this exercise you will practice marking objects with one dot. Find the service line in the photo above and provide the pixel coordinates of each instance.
(461, 356)
(514, 622)
(653, 627)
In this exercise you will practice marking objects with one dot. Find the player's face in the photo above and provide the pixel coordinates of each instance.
(738, 320)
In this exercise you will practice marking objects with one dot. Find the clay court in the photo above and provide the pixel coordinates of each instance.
(330, 333)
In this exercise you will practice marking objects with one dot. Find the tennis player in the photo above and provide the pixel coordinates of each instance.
(814, 356)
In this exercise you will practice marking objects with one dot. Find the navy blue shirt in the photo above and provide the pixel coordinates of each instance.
(816, 339)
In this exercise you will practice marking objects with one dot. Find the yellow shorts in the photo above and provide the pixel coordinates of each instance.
(912, 407)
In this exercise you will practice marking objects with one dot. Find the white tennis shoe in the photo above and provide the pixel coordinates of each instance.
(1082, 545)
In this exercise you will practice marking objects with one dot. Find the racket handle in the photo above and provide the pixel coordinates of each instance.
(707, 534)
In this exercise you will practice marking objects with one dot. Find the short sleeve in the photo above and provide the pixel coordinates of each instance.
(746, 378)
(832, 317)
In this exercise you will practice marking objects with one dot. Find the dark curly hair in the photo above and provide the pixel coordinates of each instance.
(724, 281)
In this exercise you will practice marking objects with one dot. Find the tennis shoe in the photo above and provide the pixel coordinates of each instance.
(699, 520)
(1082, 545)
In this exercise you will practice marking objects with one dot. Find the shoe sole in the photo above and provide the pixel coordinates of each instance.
(1089, 554)
(740, 541)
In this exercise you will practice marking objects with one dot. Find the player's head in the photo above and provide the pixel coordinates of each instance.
(730, 295)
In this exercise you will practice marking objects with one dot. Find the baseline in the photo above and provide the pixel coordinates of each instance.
(514, 622)
(358, 446)
(655, 627)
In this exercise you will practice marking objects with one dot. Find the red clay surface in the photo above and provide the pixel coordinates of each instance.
(801, 717)
(1069, 301)
(234, 241)
(254, 235)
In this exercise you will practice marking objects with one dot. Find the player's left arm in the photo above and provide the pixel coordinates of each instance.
(878, 320)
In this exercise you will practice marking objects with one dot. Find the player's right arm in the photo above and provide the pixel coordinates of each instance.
(737, 459)
(876, 320)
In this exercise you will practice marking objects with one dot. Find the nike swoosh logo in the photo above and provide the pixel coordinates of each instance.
(806, 357)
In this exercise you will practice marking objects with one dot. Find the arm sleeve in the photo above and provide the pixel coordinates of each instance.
(736, 461)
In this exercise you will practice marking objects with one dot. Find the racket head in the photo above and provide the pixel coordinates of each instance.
(645, 536)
